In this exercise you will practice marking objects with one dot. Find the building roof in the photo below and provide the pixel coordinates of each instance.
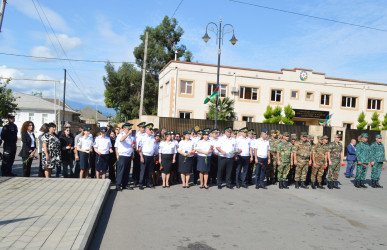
(31, 102)
(60, 103)
(89, 113)
(270, 71)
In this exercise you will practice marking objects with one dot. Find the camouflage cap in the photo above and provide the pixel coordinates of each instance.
(285, 134)
(304, 134)
(272, 131)
(293, 137)
(378, 136)
(325, 137)
(364, 135)
(339, 136)
(310, 137)
(319, 137)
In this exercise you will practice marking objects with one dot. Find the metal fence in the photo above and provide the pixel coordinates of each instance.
(181, 125)
(291, 129)
(327, 131)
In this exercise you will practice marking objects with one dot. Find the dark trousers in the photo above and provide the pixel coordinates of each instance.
(214, 168)
(112, 169)
(92, 164)
(242, 168)
(123, 170)
(233, 172)
(27, 162)
(8, 159)
(41, 170)
(195, 169)
(146, 170)
(136, 167)
(260, 172)
(225, 165)
(249, 177)
(68, 165)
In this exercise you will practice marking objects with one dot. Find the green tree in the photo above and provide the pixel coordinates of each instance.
(272, 115)
(361, 120)
(289, 115)
(375, 121)
(225, 109)
(188, 57)
(7, 101)
(37, 93)
(384, 123)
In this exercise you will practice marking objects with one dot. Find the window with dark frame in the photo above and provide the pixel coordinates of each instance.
(185, 115)
(248, 93)
(325, 99)
(374, 104)
(276, 95)
(247, 118)
(348, 102)
(222, 91)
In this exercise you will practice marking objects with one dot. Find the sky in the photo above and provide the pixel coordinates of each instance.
(267, 39)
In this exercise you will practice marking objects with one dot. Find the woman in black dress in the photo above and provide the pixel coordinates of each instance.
(112, 158)
(67, 145)
(51, 150)
(186, 156)
(167, 156)
(29, 147)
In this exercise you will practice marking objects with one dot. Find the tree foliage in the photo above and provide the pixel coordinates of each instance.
(7, 101)
(375, 121)
(384, 123)
(361, 120)
(225, 109)
(272, 115)
(289, 115)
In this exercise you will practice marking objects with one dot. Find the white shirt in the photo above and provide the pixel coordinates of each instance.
(244, 145)
(32, 139)
(138, 138)
(205, 146)
(157, 148)
(186, 147)
(147, 144)
(103, 144)
(262, 146)
(167, 147)
(227, 145)
(214, 142)
(85, 143)
(124, 148)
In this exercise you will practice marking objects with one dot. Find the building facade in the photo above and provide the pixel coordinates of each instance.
(183, 87)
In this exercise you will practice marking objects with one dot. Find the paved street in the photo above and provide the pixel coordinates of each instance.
(192, 218)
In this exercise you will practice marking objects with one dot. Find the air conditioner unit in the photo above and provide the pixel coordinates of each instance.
(234, 90)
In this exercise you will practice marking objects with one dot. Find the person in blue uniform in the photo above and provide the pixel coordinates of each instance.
(214, 158)
(85, 147)
(124, 150)
(146, 148)
(243, 144)
(136, 159)
(226, 147)
(9, 137)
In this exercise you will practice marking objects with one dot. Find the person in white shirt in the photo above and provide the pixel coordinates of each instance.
(156, 166)
(214, 158)
(85, 146)
(226, 147)
(244, 158)
(262, 158)
(102, 147)
(204, 149)
(194, 166)
(125, 144)
(186, 156)
(136, 160)
(249, 177)
(146, 148)
(167, 156)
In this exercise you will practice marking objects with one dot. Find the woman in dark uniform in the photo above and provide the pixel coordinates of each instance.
(156, 166)
(186, 156)
(167, 156)
(29, 147)
(112, 158)
(204, 149)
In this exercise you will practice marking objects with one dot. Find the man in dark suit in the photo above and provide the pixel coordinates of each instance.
(9, 136)
(351, 159)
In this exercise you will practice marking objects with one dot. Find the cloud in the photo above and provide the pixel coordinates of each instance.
(28, 8)
(6, 72)
(41, 51)
(66, 41)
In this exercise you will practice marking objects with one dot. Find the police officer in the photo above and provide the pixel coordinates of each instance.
(124, 150)
(226, 147)
(335, 158)
(262, 158)
(284, 159)
(146, 148)
(320, 162)
(302, 160)
(272, 166)
(379, 158)
(244, 157)
(214, 158)
(9, 136)
(136, 160)
(363, 156)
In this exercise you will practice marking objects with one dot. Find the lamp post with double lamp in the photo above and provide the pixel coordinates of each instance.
(220, 32)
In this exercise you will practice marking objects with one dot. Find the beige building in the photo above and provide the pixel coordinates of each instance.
(313, 95)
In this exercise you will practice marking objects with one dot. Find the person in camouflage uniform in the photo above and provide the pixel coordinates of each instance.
(379, 158)
(363, 156)
(310, 140)
(292, 171)
(320, 157)
(272, 167)
(335, 158)
(284, 158)
(302, 159)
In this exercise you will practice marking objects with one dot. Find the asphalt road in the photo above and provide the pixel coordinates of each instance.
(194, 218)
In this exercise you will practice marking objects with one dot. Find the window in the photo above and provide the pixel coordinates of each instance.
(247, 118)
(309, 96)
(348, 102)
(325, 100)
(248, 93)
(31, 117)
(185, 115)
(374, 104)
(276, 95)
(167, 88)
(212, 86)
(294, 94)
(186, 87)
(347, 125)
(44, 118)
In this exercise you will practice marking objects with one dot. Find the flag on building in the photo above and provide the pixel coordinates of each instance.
(215, 93)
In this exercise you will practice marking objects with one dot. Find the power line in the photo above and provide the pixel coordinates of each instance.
(305, 15)
(64, 59)
(75, 83)
(177, 8)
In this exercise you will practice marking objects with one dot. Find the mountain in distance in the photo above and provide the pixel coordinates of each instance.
(78, 106)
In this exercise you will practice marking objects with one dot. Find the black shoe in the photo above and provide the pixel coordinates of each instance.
(184, 187)
(313, 185)
(238, 186)
(118, 189)
(297, 185)
(330, 185)
(320, 186)
(201, 187)
(347, 176)
(257, 186)
(245, 186)
(284, 185)
(303, 185)
(357, 184)
(219, 186)
(378, 185)
(152, 187)
(135, 183)
(263, 187)
(362, 184)
(280, 185)
(229, 187)
(373, 184)
(129, 188)
(141, 187)
(13, 175)
(336, 185)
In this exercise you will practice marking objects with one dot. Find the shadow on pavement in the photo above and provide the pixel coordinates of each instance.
(5, 222)
(103, 221)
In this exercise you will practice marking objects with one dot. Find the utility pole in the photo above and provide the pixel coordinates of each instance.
(2, 12)
(64, 97)
(143, 75)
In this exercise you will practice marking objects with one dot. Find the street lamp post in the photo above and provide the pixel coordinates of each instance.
(219, 35)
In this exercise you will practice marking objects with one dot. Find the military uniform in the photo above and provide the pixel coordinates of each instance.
(335, 152)
(302, 151)
(9, 136)
(272, 167)
(319, 151)
(363, 156)
(284, 155)
(379, 157)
